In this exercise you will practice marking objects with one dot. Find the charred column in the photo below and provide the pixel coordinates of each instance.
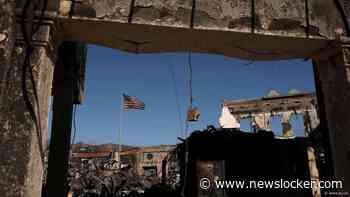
(334, 79)
(65, 91)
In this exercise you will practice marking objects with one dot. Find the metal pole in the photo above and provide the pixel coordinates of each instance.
(120, 129)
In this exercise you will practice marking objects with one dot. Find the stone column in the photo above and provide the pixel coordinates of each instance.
(262, 121)
(314, 175)
(334, 74)
(311, 120)
(22, 144)
(286, 126)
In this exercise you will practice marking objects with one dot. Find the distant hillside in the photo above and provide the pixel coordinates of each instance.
(81, 147)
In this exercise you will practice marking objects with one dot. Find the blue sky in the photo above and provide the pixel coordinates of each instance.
(111, 72)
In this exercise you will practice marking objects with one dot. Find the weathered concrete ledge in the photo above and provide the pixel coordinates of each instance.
(267, 29)
(138, 38)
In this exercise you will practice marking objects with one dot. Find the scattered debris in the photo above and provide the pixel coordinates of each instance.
(93, 172)
(228, 154)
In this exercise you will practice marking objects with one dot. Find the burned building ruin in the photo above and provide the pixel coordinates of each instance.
(43, 52)
(230, 153)
(95, 169)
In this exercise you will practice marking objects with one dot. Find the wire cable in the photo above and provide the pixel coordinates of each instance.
(186, 143)
(172, 73)
(75, 107)
(190, 90)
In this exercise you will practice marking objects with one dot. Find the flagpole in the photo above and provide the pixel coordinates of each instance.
(120, 129)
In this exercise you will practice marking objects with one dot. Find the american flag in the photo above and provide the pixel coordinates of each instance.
(131, 102)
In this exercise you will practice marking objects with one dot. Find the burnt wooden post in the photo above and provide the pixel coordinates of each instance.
(66, 79)
(333, 68)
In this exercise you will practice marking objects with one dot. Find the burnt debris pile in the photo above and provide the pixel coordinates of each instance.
(231, 154)
(90, 181)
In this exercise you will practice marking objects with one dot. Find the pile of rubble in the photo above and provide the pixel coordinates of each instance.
(90, 181)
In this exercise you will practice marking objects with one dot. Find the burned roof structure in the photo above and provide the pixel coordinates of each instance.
(276, 104)
(260, 111)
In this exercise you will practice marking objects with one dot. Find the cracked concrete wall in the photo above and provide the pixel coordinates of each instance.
(281, 17)
(162, 13)
(223, 15)
(7, 35)
(9, 181)
(325, 19)
(51, 7)
(20, 160)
